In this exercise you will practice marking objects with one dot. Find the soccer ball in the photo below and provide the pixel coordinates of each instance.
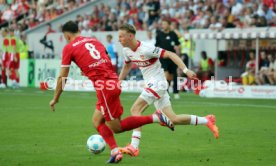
(95, 144)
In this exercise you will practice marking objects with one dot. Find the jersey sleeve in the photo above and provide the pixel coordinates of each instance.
(66, 57)
(154, 52)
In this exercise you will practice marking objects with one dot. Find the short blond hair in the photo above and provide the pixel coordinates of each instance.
(129, 28)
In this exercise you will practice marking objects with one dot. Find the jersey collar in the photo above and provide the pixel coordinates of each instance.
(138, 45)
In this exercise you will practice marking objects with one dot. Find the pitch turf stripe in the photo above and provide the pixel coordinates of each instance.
(131, 97)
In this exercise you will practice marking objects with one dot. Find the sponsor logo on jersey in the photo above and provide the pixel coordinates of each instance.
(97, 63)
(156, 50)
(146, 62)
(142, 63)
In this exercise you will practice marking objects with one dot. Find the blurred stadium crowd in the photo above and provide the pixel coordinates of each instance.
(24, 14)
(187, 14)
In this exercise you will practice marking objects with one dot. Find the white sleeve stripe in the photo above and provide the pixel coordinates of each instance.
(65, 65)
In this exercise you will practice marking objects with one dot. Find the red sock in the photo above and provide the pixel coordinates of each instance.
(107, 135)
(17, 79)
(4, 80)
(133, 122)
(13, 75)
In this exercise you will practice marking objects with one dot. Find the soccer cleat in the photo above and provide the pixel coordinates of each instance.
(130, 150)
(164, 120)
(212, 125)
(115, 158)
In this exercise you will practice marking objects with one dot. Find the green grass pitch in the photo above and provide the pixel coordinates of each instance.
(32, 135)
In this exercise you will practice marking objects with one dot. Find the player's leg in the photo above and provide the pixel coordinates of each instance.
(4, 70)
(185, 119)
(166, 67)
(173, 72)
(274, 75)
(3, 76)
(251, 79)
(107, 134)
(136, 110)
(112, 109)
(12, 75)
(17, 65)
(257, 79)
(261, 78)
(131, 122)
(269, 75)
(147, 97)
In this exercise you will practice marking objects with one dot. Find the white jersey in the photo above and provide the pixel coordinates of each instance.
(146, 57)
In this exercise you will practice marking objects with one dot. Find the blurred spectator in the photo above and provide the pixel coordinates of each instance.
(236, 7)
(212, 14)
(221, 61)
(248, 76)
(267, 13)
(24, 52)
(261, 22)
(264, 64)
(269, 72)
(36, 11)
(151, 39)
(206, 67)
(8, 14)
(112, 52)
(85, 31)
(153, 7)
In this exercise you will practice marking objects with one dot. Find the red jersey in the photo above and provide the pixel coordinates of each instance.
(90, 56)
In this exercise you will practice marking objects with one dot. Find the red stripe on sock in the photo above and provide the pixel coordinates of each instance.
(135, 137)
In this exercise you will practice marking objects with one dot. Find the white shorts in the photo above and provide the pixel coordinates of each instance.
(156, 92)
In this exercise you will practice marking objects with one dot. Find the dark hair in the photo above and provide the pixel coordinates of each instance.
(71, 27)
(129, 28)
(109, 36)
(167, 21)
(204, 54)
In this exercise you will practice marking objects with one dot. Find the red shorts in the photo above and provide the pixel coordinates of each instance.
(109, 103)
(15, 64)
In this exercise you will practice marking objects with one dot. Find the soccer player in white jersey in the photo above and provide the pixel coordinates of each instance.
(146, 57)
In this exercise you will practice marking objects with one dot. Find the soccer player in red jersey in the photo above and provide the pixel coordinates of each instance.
(90, 56)
(5, 56)
(15, 47)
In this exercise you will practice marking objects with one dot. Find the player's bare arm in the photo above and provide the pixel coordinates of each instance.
(125, 70)
(60, 85)
(180, 64)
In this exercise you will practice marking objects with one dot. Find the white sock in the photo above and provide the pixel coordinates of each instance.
(155, 118)
(135, 139)
(197, 120)
(115, 150)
